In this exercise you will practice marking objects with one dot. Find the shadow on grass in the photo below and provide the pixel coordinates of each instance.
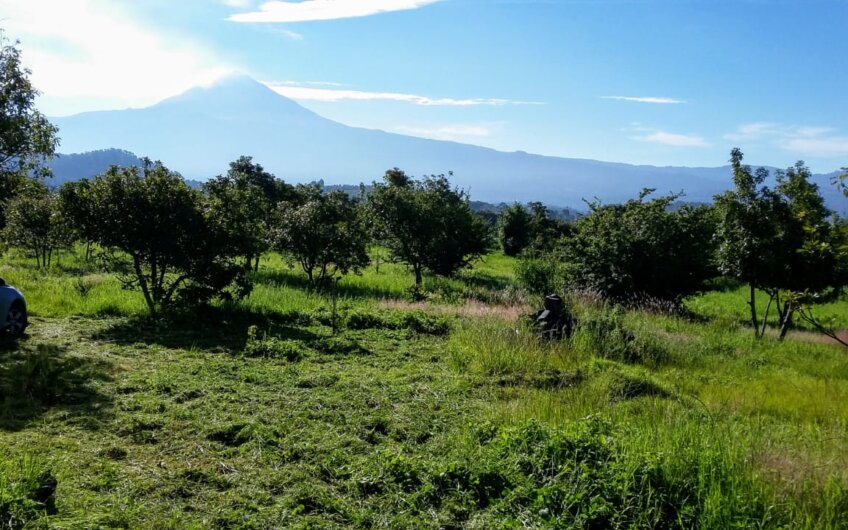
(35, 380)
(208, 328)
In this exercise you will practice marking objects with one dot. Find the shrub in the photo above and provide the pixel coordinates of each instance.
(607, 337)
(271, 347)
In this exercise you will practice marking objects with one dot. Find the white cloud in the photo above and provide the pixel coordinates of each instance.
(308, 10)
(806, 140)
(456, 132)
(308, 93)
(657, 136)
(291, 35)
(91, 51)
(646, 99)
(241, 4)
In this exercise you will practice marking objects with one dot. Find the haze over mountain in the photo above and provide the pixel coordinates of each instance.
(199, 132)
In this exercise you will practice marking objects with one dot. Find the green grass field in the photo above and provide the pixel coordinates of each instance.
(442, 414)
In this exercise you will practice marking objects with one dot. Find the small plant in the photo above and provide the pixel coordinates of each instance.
(271, 347)
(26, 492)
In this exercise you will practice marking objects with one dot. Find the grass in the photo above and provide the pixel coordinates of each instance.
(442, 414)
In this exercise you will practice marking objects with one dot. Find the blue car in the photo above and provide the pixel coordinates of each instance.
(13, 311)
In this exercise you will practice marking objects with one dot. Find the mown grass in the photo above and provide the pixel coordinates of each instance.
(427, 415)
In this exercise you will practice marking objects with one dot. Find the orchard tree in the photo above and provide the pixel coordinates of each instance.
(27, 139)
(514, 231)
(326, 234)
(245, 198)
(641, 248)
(426, 224)
(174, 245)
(34, 222)
(784, 241)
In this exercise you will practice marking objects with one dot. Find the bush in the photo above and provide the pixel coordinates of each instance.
(271, 347)
(642, 248)
(540, 274)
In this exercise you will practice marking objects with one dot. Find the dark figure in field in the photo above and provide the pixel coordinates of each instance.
(554, 322)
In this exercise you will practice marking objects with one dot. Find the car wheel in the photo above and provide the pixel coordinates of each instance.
(16, 320)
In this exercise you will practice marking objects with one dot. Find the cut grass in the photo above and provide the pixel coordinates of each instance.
(442, 414)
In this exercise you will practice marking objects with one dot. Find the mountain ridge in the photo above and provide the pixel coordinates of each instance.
(201, 130)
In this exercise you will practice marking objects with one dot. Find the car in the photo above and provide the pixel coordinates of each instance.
(13, 311)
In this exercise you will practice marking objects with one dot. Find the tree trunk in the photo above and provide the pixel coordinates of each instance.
(752, 301)
(418, 277)
(786, 322)
(142, 282)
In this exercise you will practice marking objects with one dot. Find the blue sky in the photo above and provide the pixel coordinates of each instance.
(662, 82)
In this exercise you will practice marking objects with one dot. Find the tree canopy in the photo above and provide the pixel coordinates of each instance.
(426, 223)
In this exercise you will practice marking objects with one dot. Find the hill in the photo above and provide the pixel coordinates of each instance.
(199, 132)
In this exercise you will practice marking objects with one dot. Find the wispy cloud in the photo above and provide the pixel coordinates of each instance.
(84, 51)
(457, 132)
(647, 99)
(309, 10)
(311, 93)
(803, 139)
(657, 136)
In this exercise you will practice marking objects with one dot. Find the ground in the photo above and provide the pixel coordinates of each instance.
(442, 414)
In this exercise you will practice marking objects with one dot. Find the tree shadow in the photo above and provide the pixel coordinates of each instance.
(207, 328)
(36, 380)
(483, 280)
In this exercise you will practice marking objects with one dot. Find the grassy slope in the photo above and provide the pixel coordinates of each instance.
(169, 426)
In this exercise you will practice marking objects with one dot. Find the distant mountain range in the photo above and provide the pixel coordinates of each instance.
(199, 132)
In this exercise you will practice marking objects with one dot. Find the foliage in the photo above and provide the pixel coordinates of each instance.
(779, 240)
(426, 224)
(540, 274)
(27, 139)
(641, 248)
(325, 234)
(176, 247)
(34, 222)
(241, 209)
(537, 230)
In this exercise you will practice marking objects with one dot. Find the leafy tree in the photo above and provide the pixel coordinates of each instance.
(514, 231)
(34, 222)
(27, 139)
(782, 241)
(240, 208)
(426, 223)
(77, 211)
(174, 245)
(234, 195)
(326, 234)
(536, 229)
(641, 248)
(841, 182)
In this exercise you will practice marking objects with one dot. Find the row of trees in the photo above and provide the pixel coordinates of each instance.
(780, 240)
(178, 244)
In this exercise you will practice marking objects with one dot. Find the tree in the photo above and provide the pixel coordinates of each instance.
(240, 208)
(174, 246)
(326, 235)
(236, 199)
(641, 248)
(514, 231)
(27, 138)
(784, 241)
(76, 205)
(34, 222)
(426, 224)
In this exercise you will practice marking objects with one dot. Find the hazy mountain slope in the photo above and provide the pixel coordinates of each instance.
(198, 133)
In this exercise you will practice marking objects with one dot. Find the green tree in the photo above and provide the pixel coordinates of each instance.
(783, 241)
(514, 231)
(175, 247)
(234, 195)
(27, 138)
(76, 206)
(426, 224)
(326, 234)
(35, 223)
(641, 248)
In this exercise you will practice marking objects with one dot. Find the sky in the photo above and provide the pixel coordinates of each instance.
(658, 82)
